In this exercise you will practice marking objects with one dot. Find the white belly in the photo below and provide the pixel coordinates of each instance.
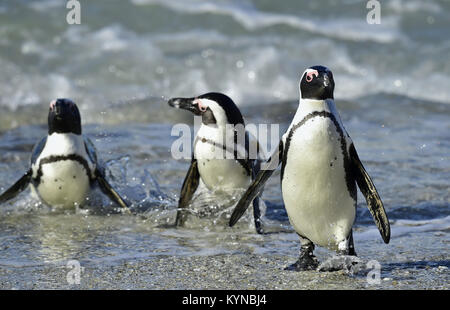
(64, 184)
(220, 174)
(314, 189)
(223, 174)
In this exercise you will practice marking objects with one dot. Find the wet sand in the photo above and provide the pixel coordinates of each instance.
(230, 271)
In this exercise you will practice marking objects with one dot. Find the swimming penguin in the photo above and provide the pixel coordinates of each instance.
(221, 161)
(320, 170)
(64, 164)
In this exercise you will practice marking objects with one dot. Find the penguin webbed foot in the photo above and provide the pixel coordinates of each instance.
(346, 262)
(306, 261)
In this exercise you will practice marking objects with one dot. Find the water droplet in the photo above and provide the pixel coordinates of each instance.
(251, 75)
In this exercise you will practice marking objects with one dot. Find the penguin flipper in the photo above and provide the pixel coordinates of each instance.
(257, 185)
(90, 149)
(105, 187)
(108, 190)
(23, 182)
(190, 185)
(256, 205)
(369, 191)
(37, 150)
(17, 188)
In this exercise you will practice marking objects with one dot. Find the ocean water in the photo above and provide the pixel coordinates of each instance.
(125, 60)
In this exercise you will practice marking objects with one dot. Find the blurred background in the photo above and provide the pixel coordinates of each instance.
(255, 51)
(127, 57)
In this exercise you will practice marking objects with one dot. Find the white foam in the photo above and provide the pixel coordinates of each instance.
(252, 19)
(115, 63)
(45, 5)
(111, 38)
(404, 227)
(411, 6)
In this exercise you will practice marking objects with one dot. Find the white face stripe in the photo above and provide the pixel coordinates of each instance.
(201, 105)
(310, 74)
(311, 71)
(306, 72)
(218, 111)
(52, 104)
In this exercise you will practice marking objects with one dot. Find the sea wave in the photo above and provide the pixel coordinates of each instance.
(256, 56)
(341, 28)
(406, 227)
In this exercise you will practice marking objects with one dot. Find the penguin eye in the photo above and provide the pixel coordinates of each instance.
(201, 106)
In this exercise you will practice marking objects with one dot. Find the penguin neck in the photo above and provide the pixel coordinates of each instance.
(213, 130)
(64, 144)
(307, 106)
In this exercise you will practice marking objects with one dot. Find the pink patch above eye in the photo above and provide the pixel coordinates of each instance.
(309, 75)
(52, 104)
(201, 106)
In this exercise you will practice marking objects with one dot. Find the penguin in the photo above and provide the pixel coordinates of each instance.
(319, 173)
(221, 161)
(64, 165)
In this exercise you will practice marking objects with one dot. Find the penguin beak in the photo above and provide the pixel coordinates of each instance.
(322, 80)
(59, 111)
(325, 83)
(64, 117)
(185, 104)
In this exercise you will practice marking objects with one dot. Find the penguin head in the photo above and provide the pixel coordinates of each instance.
(64, 117)
(215, 108)
(317, 83)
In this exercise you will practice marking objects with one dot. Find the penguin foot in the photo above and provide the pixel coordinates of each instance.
(306, 261)
(259, 229)
(348, 263)
(303, 265)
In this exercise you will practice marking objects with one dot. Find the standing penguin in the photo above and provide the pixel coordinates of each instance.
(320, 170)
(64, 164)
(221, 161)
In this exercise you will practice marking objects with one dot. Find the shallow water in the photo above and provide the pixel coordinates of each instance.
(127, 57)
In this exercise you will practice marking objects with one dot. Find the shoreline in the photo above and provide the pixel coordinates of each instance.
(218, 272)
